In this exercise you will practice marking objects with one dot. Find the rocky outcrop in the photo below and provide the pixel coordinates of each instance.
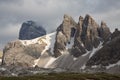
(17, 54)
(60, 44)
(115, 34)
(104, 31)
(86, 37)
(78, 48)
(1, 54)
(31, 30)
(64, 33)
(89, 34)
(109, 53)
(29, 53)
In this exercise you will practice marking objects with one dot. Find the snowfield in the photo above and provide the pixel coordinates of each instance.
(49, 40)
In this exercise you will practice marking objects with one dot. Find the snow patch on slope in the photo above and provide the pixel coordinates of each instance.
(52, 59)
(33, 41)
(39, 40)
(95, 49)
(94, 66)
(86, 53)
(3, 69)
(83, 67)
(0, 60)
(112, 65)
(69, 46)
(82, 45)
(50, 42)
(75, 58)
(36, 62)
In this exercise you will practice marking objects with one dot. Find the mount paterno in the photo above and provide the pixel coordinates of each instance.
(83, 46)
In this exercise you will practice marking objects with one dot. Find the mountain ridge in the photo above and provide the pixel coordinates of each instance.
(80, 47)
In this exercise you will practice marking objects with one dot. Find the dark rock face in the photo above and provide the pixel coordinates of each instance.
(59, 44)
(86, 36)
(64, 33)
(31, 30)
(78, 49)
(104, 31)
(115, 34)
(109, 54)
(89, 34)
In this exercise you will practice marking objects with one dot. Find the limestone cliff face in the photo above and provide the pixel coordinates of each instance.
(89, 34)
(17, 54)
(78, 48)
(86, 33)
(1, 54)
(64, 33)
(60, 44)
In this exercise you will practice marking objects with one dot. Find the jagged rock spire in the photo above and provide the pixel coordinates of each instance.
(104, 31)
(78, 49)
(89, 34)
(67, 29)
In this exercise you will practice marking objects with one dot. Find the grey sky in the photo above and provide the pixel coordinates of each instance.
(49, 13)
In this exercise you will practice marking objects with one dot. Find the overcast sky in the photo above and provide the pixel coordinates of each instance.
(49, 13)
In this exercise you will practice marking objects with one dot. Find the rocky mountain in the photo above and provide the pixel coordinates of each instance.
(64, 33)
(24, 52)
(80, 47)
(31, 30)
(109, 54)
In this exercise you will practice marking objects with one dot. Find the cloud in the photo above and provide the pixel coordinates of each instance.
(49, 13)
(10, 1)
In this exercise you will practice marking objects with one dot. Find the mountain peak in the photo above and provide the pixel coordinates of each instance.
(80, 18)
(30, 22)
(88, 16)
(104, 31)
(103, 24)
(66, 16)
(31, 30)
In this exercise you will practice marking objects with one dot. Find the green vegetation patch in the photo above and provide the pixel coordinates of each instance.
(66, 76)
